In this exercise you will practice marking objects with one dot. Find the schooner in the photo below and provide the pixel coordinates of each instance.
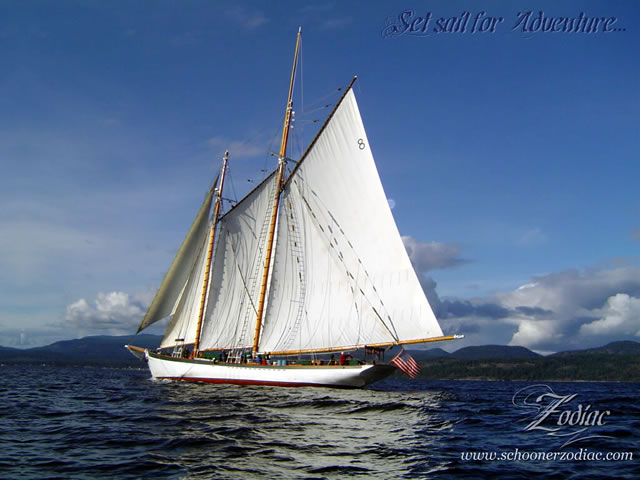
(308, 264)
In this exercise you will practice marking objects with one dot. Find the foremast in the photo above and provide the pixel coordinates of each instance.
(282, 162)
(212, 235)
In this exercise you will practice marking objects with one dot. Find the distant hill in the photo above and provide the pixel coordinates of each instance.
(617, 361)
(626, 347)
(420, 355)
(493, 352)
(102, 350)
(8, 350)
(485, 352)
(8, 354)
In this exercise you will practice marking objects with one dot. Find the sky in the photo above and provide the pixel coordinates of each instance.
(509, 153)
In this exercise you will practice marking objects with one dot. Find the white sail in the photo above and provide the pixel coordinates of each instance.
(341, 275)
(184, 322)
(237, 271)
(175, 279)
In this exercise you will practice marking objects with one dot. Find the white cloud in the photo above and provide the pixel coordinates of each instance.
(573, 291)
(429, 256)
(116, 313)
(576, 308)
(565, 310)
(237, 148)
(620, 316)
(532, 332)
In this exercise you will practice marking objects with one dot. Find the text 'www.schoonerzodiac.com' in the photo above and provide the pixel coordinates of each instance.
(517, 455)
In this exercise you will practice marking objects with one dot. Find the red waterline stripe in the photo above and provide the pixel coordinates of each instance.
(253, 382)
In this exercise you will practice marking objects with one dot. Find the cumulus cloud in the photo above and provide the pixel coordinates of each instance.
(427, 256)
(620, 316)
(575, 291)
(558, 311)
(537, 333)
(116, 313)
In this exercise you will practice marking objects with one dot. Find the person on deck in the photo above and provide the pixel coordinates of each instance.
(344, 358)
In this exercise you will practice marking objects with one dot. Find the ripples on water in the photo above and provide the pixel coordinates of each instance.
(96, 423)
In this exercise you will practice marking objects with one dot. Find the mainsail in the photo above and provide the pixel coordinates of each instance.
(174, 281)
(237, 270)
(341, 277)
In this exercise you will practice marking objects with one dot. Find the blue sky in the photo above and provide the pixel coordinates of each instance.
(511, 157)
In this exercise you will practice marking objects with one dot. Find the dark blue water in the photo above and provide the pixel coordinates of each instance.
(111, 423)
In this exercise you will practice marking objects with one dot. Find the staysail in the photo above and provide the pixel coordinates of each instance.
(182, 328)
(176, 278)
(341, 275)
(237, 270)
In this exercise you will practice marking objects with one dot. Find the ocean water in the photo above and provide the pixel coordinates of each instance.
(83, 423)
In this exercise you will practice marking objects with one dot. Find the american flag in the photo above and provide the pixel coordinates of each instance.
(406, 363)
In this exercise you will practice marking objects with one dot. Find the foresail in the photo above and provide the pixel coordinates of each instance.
(238, 264)
(175, 279)
(341, 274)
(182, 328)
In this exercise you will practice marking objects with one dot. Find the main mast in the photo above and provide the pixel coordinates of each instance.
(212, 235)
(276, 202)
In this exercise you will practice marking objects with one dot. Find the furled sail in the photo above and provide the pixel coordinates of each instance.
(184, 320)
(341, 275)
(237, 271)
(175, 279)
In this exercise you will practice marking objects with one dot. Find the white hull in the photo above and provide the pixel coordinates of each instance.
(199, 370)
